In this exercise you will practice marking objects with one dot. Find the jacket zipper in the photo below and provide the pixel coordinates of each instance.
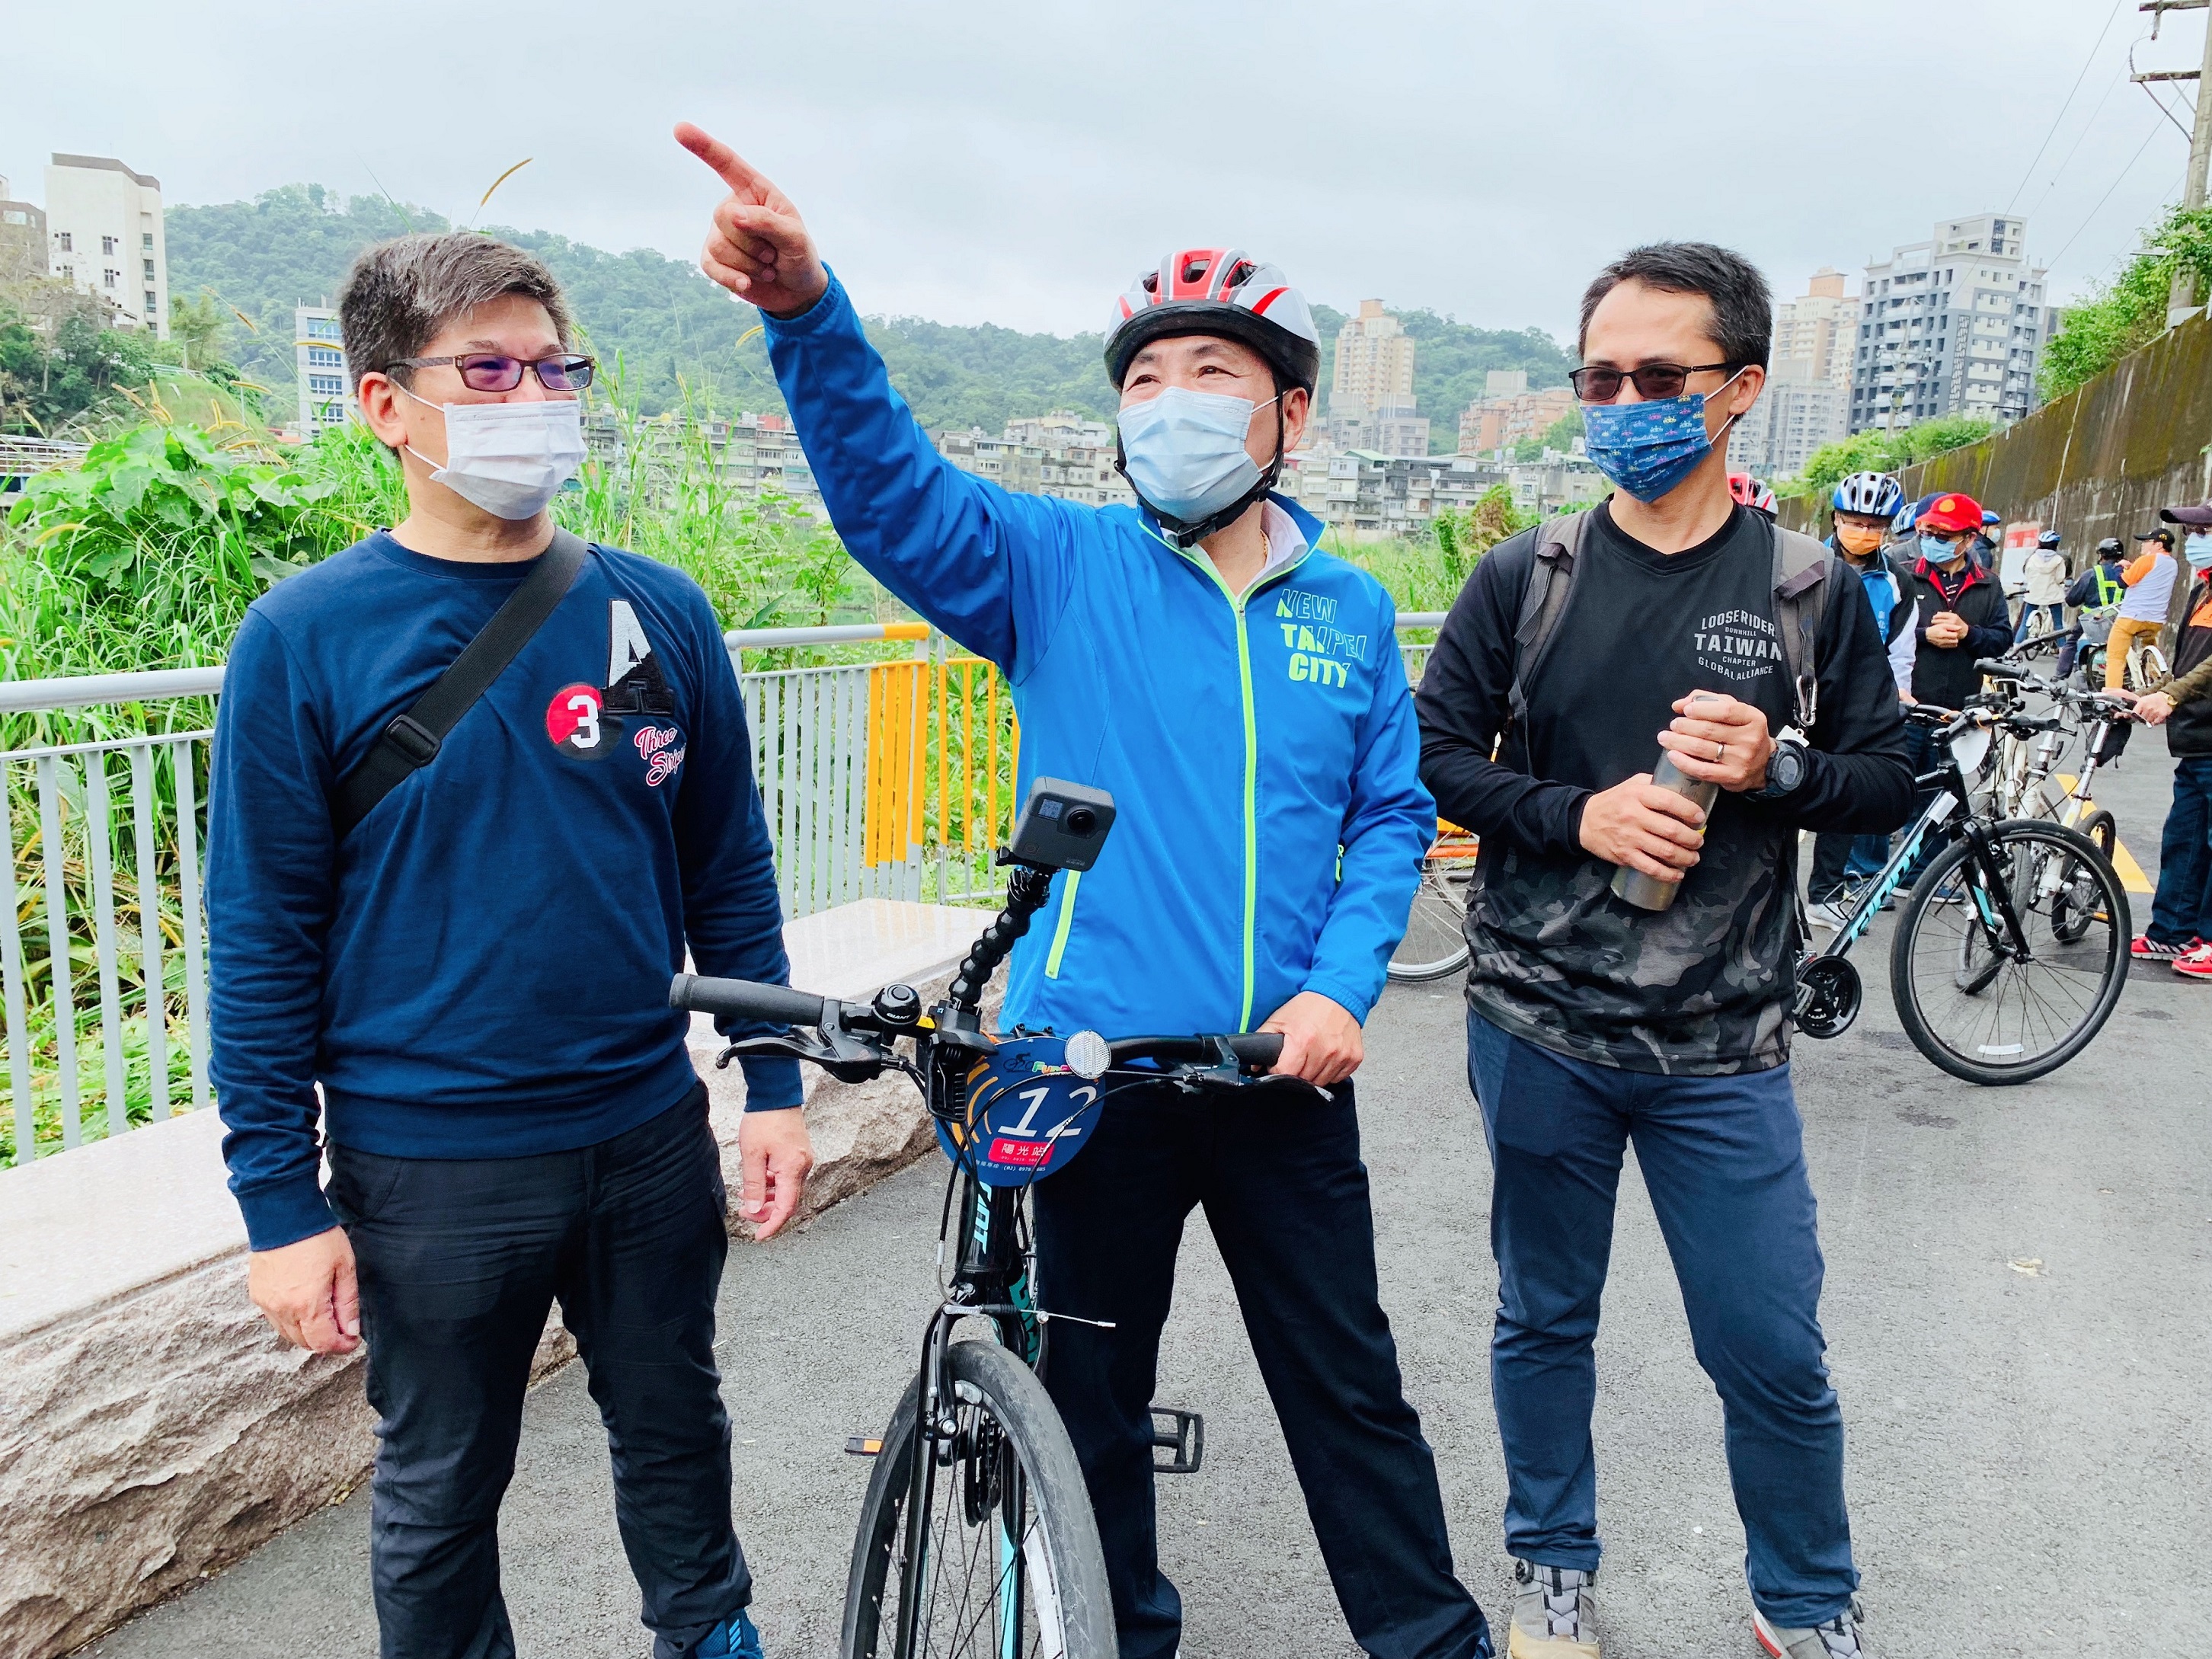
(1237, 603)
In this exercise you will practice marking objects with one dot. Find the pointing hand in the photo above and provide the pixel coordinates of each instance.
(758, 247)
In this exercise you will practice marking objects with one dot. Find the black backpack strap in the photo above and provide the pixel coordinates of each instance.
(1801, 595)
(412, 740)
(1550, 578)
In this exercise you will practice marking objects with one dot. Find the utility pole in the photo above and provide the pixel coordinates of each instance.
(2182, 299)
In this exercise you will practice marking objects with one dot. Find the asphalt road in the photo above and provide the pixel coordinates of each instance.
(2018, 1308)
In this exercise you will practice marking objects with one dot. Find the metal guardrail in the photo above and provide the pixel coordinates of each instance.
(887, 779)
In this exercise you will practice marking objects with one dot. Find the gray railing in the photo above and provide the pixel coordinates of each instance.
(886, 779)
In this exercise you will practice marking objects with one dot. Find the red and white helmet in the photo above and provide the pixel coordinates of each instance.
(1751, 492)
(1219, 291)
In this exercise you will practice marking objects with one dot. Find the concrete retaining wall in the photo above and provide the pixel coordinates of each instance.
(152, 1427)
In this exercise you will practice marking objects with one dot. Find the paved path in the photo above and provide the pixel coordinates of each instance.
(2016, 1436)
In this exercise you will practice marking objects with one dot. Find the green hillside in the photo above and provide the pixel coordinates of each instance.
(673, 332)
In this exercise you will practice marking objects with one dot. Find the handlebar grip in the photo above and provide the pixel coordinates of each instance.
(1998, 668)
(1258, 1049)
(741, 999)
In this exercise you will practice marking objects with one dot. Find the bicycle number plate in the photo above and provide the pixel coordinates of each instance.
(1028, 1115)
(1970, 748)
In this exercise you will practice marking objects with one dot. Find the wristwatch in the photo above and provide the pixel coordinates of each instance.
(1785, 770)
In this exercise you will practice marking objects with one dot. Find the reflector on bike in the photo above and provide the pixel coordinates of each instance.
(1028, 1115)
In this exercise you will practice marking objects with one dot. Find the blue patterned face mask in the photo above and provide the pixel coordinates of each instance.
(1648, 448)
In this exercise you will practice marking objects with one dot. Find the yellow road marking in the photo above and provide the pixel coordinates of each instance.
(2132, 879)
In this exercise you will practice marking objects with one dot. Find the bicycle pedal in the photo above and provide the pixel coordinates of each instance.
(1182, 1435)
(863, 1445)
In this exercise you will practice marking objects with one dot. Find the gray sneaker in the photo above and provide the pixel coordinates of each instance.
(1837, 1639)
(1554, 1614)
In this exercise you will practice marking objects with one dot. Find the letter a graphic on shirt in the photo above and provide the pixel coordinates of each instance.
(635, 685)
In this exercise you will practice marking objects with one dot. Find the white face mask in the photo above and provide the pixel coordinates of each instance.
(508, 458)
(1185, 453)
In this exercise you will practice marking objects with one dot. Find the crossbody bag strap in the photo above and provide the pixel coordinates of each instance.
(1800, 592)
(1551, 577)
(412, 740)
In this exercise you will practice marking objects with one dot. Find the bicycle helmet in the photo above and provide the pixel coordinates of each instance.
(1877, 494)
(2048, 539)
(1990, 518)
(2110, 548)
(1216, 290)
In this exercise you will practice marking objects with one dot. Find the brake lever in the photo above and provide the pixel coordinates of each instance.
(847, 1058)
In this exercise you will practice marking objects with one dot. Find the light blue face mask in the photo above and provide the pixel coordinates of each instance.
(1649, 448)
(2197, 549)
(1940, 552)
(1184, 451)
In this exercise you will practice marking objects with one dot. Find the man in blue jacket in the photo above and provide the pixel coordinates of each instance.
(474, 970)
(1241, 694)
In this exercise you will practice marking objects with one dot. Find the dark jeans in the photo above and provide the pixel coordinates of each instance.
(2027, 615)
(1285, 1195)
(459, 1262)
(1722, 1159)
(1839, 859)
(2181, 909)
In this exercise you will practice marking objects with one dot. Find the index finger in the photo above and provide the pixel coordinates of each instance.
(736, 171)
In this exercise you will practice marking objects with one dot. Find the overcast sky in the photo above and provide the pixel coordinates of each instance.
(1018, 163)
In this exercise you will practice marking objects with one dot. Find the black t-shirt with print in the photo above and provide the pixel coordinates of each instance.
(1704, 988)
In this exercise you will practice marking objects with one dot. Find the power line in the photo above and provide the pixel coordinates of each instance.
(2107, 196)
(2120, 77)
(2110, 19)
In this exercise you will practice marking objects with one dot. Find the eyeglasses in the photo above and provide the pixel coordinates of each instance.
(491, 371)
(1654, 382)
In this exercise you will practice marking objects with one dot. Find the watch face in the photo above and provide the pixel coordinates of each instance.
(1789, 767)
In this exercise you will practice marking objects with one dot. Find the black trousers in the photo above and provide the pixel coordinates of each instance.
(459, 1262)
(1285, 1195)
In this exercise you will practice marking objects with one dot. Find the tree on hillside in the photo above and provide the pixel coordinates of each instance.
(2130, 312)
(1876, 451)
(48, 381)
(198, 326)
(1452, 361)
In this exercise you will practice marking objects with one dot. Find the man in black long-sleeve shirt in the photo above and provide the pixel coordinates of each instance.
(1592, 1021)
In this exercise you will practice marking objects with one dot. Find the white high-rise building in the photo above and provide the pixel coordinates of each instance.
(104, 233)
(1806, 402)
(325, 386)
(1952, 326)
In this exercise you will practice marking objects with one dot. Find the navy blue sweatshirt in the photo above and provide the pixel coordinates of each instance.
(481, 968)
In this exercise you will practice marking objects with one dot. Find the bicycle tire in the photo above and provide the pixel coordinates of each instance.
(2102, 828)
(1434, 944)
(1968, 966)
(1063, 1587)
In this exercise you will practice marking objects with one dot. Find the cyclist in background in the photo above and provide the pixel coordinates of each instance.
(1241, 694)
(2044, 571)
(1865, 505)
(2142, 613)
(1753, 493)
(2095, 596)
(2181, 909)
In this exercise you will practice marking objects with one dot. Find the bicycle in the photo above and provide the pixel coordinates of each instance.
(1998, 968)
(1434, 943)
(976, 1539)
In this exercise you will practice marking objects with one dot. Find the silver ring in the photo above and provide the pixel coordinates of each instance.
(1720, 753)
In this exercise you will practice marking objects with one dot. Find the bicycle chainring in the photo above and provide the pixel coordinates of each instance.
(1828, 997)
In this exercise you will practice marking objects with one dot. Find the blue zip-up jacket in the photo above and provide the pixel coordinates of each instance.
(1260, 746)
(481, 968)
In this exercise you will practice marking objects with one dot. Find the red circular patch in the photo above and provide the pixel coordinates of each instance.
(573, 718)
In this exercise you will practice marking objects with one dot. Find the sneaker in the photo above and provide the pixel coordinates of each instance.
(737, 1639)
(1837, 1639)
(2196, 964)
(1554, 1614)
(1829, 914)
(2146, 949)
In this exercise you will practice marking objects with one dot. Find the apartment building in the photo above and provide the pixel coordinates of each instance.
(752, 455)
(1062, 454)
(105, 235)
(323, 385)
(1952, 325)
(1372, 494)
(1371, 397)
(22, 238)
(1500, 420)
(1799, 411)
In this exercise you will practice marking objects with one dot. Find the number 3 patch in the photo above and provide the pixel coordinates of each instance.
(578, 725)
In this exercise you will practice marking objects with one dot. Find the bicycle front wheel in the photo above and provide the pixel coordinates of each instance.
(1969, 996)
(1009, 1562)
(1435, 943)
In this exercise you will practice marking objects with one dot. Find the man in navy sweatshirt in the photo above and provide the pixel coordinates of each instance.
(475, 975)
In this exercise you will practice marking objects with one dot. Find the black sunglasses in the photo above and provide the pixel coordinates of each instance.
(1655, 381)
(492, 371)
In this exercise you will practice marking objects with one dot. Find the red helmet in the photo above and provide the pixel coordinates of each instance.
(1218, 291)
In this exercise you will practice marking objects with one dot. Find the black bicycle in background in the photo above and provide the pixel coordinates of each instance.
(2012, 951)
(977, 1538)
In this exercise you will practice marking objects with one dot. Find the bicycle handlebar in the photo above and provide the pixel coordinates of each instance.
(741, 999)
(1257, 1050)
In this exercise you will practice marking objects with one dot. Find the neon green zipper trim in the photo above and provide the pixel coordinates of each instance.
(1067, 920)
(1237, 603)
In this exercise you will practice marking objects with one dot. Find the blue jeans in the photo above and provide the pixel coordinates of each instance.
(1724, 1159)
(2181, 909)
(2027, 615)
(460, 1261)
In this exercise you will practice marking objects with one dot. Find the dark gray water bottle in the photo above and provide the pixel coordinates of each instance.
(1632, 885)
